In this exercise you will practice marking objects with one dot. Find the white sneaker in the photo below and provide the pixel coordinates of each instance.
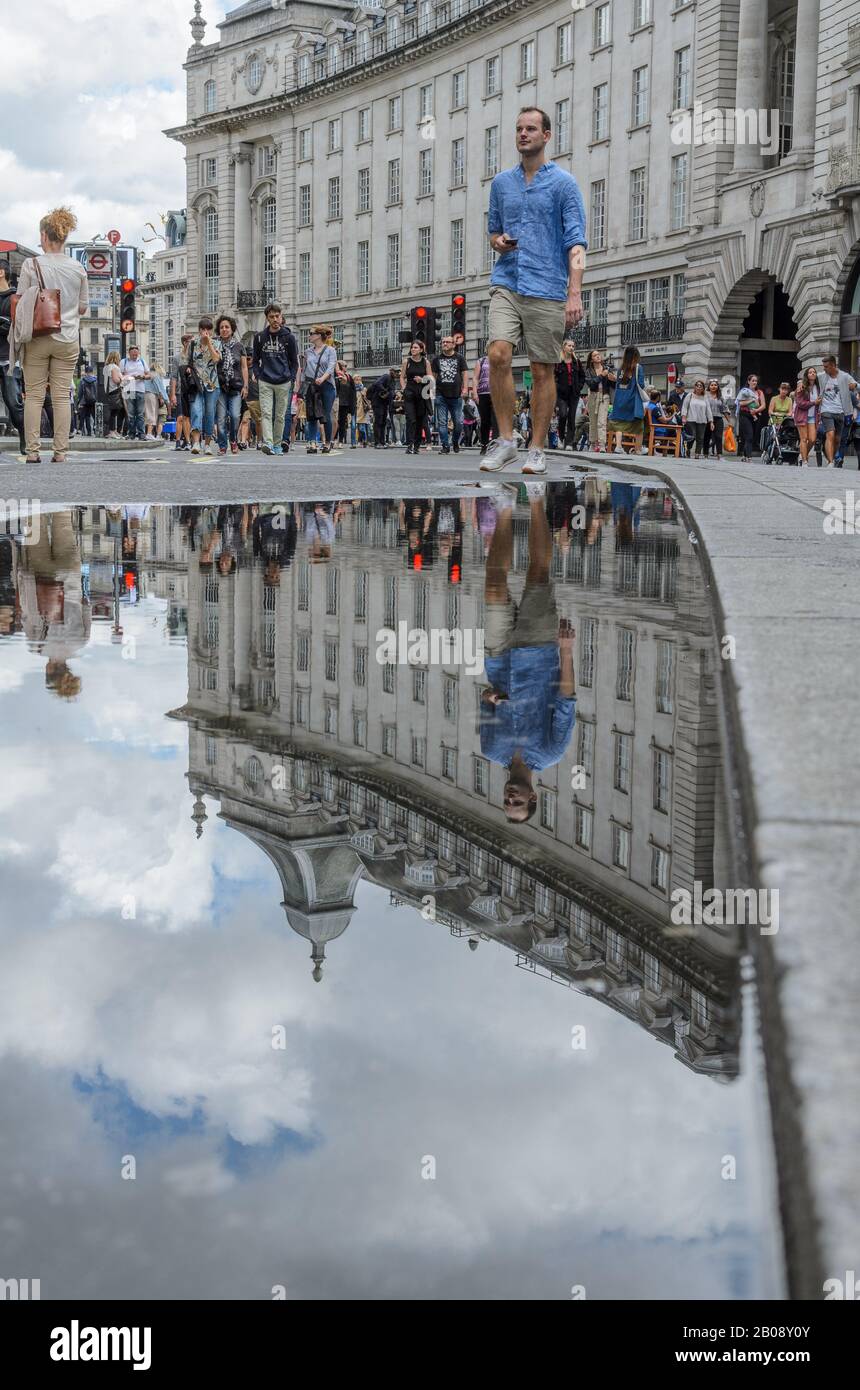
(498, 456)
(195, 448)
(535, 461)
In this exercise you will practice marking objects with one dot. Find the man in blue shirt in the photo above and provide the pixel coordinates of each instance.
(529, 709)
(537, 227)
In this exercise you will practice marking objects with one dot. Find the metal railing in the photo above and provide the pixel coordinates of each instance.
(384, 356)
(591, 335)
(350, 53)
(669, 328)
(844, 169)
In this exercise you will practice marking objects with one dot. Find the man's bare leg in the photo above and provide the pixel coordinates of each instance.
(502, 392)
(543, 402)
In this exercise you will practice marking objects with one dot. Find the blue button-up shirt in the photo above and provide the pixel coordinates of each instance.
(534, 719)
(547, 217)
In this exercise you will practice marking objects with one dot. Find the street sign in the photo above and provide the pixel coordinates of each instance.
(671, 374)
(98, 263)
(114, 238)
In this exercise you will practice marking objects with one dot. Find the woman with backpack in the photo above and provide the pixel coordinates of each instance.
(115, 406)
(628, 407)
(85, 401)
(319, 388)
(202, 361)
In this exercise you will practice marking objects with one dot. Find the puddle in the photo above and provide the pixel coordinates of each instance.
(323, 971)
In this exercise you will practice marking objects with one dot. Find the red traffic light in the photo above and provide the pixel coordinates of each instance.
(127, 286)
(421, 313)
(458, 301)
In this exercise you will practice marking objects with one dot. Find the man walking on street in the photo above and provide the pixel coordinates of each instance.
(537, 228)
(134, 366)
(381, 397)
(275, 364)
(451, 373)
(8, 385)
(836, 403)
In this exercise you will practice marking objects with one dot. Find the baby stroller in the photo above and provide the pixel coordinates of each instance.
(780, 443)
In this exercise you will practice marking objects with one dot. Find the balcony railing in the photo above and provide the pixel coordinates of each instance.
(590, 335)
(252, 299)
(383, 356)
(668, 329)
(844, 170)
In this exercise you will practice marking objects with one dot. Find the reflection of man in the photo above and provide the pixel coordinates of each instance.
(530, 705)
(55, 615)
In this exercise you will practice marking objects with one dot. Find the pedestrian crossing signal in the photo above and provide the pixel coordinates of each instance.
(458, 321)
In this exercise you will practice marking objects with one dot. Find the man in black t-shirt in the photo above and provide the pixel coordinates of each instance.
(450, 371)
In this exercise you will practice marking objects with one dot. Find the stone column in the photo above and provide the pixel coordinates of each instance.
(751, 85)
(241, 161)
(805, 77)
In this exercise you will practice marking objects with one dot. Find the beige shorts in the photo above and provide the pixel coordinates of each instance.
(539, 321)
(533, 624)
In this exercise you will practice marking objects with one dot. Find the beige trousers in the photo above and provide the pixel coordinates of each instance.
(48, 361)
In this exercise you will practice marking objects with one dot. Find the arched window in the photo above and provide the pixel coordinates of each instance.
(209, 98)
(255, 72)
(269, 226)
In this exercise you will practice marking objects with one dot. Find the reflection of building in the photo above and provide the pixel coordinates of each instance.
(359, 140)
(335, 764)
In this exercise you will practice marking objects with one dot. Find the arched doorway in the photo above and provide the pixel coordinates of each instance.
(849, 323)
(768, 343)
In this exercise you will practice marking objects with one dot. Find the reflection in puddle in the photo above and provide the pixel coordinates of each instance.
(490, 718)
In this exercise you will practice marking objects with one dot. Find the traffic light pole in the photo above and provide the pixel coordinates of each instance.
(112, 288)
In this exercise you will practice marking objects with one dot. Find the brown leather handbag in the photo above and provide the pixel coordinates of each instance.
(47, 312)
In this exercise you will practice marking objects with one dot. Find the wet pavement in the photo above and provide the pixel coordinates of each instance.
(340, 843)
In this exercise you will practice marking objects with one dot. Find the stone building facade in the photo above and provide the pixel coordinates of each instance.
(162, 292)
(339, 158)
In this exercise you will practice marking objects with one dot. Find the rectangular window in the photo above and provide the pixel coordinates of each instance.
(330, 717)
(306, 143)
(210, 171)
(335, 135)
(492, 76)
(659, 289)
(458, 90)
(425, 171)
(582, 819)
(659, 880)
(491, 152)
(332, 577)
(359, 609)
(334, 272)
(425, 256)
(390, 600)
(303, 651)
(359, 730)
(210, 276)
(600, 112)
(598, 215)
(389, 677)
(564, 43)
(389, 740)
(393, 181)
(305, 278)
(662, 780)
(638, 208)
(458, 162)
(363, 268)
(641, 13)
(641, 106)
(678, 214)
(527, 60)
(637, 299)
(681, 80)
(334, 197)
(304, 595)
(364, 190)
(419, 751)
(330, 659)
(588, 652)
(425, 101)
(449, 698)
(395, 113)
(665, 677)
(419, 685)
(457, 248)
(602, 26)
(679, 294)
(480, 776)
(623, 762)
(651, 965)
(563, 134)
(392, 262)
(620, 846)
(547, 810)
(364, 123)
(305, 205)
(585, 751)
(449, 764)
(359, 666)
(624, 676)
